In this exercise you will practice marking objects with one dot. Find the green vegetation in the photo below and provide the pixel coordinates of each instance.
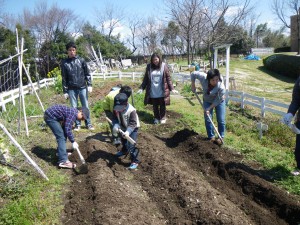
(288, 65)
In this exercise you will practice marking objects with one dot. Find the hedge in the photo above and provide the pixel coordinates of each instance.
(287, 65)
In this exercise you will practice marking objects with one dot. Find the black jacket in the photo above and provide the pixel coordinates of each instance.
(75, 74)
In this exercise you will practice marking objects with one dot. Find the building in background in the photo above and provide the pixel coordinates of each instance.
(295, 35)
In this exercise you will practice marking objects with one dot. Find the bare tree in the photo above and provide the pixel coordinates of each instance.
(45, 21)
(223, 17)
(187, 15)
(284, 9)
(150, 34)
(135, 24)
(210, 22)
(110, 17)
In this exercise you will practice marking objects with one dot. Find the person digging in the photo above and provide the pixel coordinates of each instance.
(60, 119)
(125, 123)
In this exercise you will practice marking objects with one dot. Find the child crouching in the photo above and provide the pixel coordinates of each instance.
(126, 119)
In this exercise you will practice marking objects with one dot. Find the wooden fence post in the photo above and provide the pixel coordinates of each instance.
(263, 107)
(243, 100)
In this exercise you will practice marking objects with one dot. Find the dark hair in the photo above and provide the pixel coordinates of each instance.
(213, 73)
(153, 66)
(85, 111)
(71, 44)
(126, 90)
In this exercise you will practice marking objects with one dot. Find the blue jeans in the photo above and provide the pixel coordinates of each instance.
(61, 138)
(83, 96)
(127, 146)
(221, 114)
(297, 148)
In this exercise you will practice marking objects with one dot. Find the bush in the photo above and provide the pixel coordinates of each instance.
(286, 65)
(56, 73)
(282, 49)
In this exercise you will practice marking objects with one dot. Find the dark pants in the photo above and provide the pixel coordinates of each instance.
(159, 108)
(128, 147)
(297, 148)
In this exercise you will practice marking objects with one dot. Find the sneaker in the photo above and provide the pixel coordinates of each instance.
(218, 141)
(90, 127)
(296, 172)
(119, 154)
(156, 121)
(67, 165)
(163, 121)
(212, 140)
(133, 166)
(77, 128)
(117, 141)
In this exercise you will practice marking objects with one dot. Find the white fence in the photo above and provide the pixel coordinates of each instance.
(10, 96)
(118, 74)
(263, 104)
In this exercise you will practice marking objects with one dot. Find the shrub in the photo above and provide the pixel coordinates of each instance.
(56, 73)
(287, 65)
(282, 49)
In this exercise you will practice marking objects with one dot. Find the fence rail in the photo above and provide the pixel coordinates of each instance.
(263, 104)
(12, 95)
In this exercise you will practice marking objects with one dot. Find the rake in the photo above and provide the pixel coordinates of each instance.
(209, 117)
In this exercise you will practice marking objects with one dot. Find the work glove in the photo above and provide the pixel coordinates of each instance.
(294, 128)
(125, 134)
(287, 118)
(75, 145)
(90, 89)
(66, 95)
(115, 129)
(140, 91)
(174, 91)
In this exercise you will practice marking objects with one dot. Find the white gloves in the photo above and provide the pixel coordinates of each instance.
(115, 129)
(75, 145)
(287, 118)
(294, 128)
(90, 89)
(66, 95)
(126, 134)
(140, 91)
(174, 91)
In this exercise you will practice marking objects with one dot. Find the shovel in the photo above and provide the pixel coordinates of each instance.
(216, 130)
(83, 169)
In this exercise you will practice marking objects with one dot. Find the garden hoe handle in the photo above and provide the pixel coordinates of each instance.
(216, 130)
(80, 156)
(122, 132)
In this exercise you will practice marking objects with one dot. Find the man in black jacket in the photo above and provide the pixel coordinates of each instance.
(76, 81)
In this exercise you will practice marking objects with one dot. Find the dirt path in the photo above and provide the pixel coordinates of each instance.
(183, 179)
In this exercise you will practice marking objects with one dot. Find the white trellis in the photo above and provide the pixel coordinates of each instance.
(227, 46)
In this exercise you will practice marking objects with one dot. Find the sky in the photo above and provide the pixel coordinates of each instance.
(146, 8)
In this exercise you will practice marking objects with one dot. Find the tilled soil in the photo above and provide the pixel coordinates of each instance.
(182, 179)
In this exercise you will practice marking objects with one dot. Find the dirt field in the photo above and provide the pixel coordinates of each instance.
(182, 179)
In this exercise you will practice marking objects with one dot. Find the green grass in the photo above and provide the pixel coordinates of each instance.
(38, 202)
